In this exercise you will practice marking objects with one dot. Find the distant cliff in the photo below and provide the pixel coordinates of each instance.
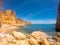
(8, 17)
(58, 19)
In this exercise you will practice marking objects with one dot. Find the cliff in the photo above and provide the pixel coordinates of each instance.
(58, 19)
(8, 17)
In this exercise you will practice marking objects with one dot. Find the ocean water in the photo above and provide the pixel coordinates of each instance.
(48, 28)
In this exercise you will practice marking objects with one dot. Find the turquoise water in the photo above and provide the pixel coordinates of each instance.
(38, 27)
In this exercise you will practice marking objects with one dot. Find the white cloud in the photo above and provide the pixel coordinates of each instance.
(49, 21)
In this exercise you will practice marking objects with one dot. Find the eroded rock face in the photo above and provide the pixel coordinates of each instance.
(8, 18)
(58, 19)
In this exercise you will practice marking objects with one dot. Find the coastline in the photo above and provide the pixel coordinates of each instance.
(34, 38)
(16, 37)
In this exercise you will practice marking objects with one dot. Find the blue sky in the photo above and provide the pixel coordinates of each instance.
(36, 11)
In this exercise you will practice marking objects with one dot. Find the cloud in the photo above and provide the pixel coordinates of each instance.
(49, 21)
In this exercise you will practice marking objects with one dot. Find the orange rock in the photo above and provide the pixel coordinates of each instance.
(19, 35)
(38, 35)
(33, 41)
(45, 42)
(9, 17)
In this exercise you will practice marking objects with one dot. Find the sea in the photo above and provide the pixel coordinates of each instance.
(47, 28)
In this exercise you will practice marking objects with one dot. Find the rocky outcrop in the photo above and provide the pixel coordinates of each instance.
(18, 38)
(38, 38)
(8, 18)
(58, 19)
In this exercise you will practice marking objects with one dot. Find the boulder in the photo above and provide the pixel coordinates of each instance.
(38, 35)
(18, 35)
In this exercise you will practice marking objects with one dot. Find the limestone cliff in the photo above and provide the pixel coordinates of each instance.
(58, 19)
(8, 17)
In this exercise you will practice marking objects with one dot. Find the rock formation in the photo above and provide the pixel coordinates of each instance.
(8, 18)
(58, 19)
(18, 38)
